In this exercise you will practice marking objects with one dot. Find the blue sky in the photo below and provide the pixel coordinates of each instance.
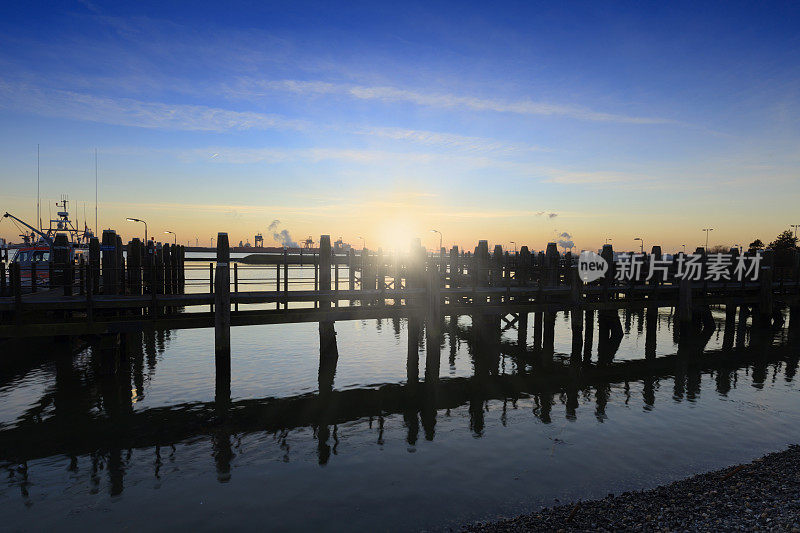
(513, 121)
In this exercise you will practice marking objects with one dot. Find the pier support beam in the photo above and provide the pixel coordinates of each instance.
(327, 331)
(222, 311)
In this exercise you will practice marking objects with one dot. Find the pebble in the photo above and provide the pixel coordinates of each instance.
(762, 496)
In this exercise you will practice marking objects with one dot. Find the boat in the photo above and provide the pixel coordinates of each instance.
(35, 254)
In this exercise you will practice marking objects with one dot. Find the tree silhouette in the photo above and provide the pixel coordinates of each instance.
(755, 245)
(785, 241)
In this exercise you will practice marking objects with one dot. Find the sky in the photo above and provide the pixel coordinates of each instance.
(512, 122)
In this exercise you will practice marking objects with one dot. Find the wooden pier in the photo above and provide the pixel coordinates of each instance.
(111, 293)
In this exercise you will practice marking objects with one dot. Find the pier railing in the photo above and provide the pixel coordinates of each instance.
(112, 287)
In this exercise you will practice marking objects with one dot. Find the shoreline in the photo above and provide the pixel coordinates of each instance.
(762, 495)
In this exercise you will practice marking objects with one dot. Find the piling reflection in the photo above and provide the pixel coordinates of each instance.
(88, 411)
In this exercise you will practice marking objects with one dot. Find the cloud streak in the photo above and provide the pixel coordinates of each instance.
(157, 115)
(131, 112)
(253, 88)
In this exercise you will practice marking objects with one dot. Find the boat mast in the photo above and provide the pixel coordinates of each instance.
(96, 226)
(38, 194)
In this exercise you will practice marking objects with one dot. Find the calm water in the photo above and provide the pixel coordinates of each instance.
(501, 432)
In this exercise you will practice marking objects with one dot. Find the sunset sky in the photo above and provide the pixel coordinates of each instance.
(509, 122)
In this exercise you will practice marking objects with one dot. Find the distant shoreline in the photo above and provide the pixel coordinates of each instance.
(763, 495)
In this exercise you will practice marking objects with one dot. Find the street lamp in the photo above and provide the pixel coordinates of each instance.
(795, 226)
(363, 242)
(641, 242)
(707, 230)
(608, 240)
(440, 237)
(515, 247)
(130, 219)
(175, 237)
(684, 248)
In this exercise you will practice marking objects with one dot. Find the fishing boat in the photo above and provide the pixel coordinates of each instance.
(35, 255)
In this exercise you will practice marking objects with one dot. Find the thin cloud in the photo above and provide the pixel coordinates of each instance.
(157, 115)
(252, 88)
(131, 112)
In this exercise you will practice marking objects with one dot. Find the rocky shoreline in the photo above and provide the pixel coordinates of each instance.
(763, 495)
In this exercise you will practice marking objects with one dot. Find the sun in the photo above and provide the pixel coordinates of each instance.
(396, 235)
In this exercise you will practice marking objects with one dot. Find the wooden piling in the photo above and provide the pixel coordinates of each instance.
(16, 288)
(110, 276)
(222, 303)
(94, 263)
(551, 280)
(61, 263)
(685, 300)
(576, 313)
(236, 283)
(135, 267)
(327, 331)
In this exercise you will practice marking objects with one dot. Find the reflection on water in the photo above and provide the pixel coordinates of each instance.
(387, 423)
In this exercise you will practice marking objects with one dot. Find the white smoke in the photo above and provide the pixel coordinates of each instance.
(282, 237)
(565, 240)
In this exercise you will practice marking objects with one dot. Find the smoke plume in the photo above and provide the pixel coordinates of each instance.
(282, 237)
(565, 240)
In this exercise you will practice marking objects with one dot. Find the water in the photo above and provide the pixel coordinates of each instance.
(159, 445)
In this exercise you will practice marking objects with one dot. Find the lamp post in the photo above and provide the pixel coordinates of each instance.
(608, 240)
(515, 247)
(131, 219)
(641, 241)
(684, 248)
(795, 226)
(707, 230)
(174, 235)
(440, 237)
(363, 242)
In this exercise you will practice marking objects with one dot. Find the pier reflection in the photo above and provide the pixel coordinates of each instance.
(88, 409)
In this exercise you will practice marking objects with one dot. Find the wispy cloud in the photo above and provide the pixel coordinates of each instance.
(131, 112)
(253, 88)
(593, 177)
(450, 140)
(219, 154)
(159, 115)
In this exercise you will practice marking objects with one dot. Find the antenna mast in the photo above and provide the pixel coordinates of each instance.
(96, 227)
(38, 202)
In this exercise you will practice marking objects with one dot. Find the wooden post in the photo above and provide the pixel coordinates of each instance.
(351, 270)
(135, 266)
(278, 285)
(16, 285)
(120, 266)
(327, 331)
(381, 273)
(685, 301)
(222, 304)
(167, 268)
(236, 283)
(432, 327)
(336, 280)
(286, 278)
(152, 276)
(576, 313)
(94, 263)
(211, 282)
(61, 260)
(89, 294)
(522, 274)
(551, 280)
(110, 275)
(765, 297)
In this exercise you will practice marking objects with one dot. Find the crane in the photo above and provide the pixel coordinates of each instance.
(46, 239)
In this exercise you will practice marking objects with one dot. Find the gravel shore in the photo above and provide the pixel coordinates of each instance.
(760, 496)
